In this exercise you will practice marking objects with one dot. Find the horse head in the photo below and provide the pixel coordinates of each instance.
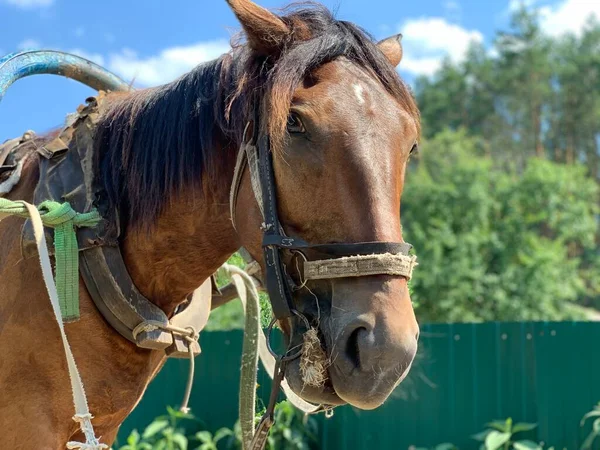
(341, 126)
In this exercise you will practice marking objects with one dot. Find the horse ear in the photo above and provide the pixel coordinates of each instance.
(265, 31)
(392, 48)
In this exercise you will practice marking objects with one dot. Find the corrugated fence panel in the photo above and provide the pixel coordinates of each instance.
(465, 375)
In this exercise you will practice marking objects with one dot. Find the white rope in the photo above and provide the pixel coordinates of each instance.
(245, 286)
(82, 413)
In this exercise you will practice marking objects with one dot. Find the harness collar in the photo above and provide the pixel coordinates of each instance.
(66, 173)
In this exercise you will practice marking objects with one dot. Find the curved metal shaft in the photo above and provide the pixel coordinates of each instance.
(19, 65)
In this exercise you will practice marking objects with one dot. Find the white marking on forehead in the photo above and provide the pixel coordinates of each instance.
(358, 90)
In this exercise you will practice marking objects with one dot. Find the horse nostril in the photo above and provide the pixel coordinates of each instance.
(352, 349)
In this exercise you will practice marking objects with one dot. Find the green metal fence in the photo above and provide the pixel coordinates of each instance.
(465, 375)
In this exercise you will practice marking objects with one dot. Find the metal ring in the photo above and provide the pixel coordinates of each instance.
(286, 356)
(268, 336)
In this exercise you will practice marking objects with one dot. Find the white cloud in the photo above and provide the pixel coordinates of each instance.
(568, 16)
(29, 4)
(28, 44)
(167, 65)
(420, 65)
(427, 40)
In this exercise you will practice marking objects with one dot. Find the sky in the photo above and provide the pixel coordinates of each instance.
(151, 42)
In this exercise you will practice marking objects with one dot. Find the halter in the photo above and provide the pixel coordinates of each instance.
(339, 260)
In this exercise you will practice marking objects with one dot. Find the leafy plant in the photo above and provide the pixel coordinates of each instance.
(134, 442)
(500, 434)
(210, 441)
(591, 437)
(291, 431)
(511, 259)
(163, 433)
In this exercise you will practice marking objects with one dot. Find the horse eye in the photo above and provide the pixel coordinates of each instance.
(294, 124)
(414, 149)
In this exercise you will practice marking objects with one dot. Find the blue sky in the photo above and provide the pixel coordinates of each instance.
(153, 42)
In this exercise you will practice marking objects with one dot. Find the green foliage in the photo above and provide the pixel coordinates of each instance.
(231, 315)
(291, 431)
(210, 441)
(495, 244)
(500, 434)
(532, 94)
(595, 432)
(164, 433)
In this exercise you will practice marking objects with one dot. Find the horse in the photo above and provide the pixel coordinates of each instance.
(341, 125)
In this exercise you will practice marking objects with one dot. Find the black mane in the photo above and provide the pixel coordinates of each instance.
(155, 142)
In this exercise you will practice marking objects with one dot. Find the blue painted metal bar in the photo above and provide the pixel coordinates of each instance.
(22, 64)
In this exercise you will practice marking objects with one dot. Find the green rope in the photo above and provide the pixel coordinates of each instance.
(63, 219)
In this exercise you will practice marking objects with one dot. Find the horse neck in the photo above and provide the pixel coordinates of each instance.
(189, 240)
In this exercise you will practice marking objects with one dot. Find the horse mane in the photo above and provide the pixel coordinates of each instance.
(155, 142)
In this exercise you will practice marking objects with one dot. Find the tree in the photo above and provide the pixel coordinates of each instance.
(496, 245)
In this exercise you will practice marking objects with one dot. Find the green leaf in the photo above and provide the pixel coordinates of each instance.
(445, 446)
(177, 415)
(133, 438)
(594, 413)
(204, 436)
(526, 445)
(495, 440)
(181, 441)
(522, 426)
(589, 440)
(481, 435)
(221, 433)
(154, 428)
(499, 425)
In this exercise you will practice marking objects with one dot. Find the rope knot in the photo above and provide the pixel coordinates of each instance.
(192, 335)
(55, 214)
(91, 443)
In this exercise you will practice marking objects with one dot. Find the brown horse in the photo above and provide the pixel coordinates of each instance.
(342, 126)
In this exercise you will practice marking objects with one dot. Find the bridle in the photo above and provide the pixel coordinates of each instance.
(339, 260)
